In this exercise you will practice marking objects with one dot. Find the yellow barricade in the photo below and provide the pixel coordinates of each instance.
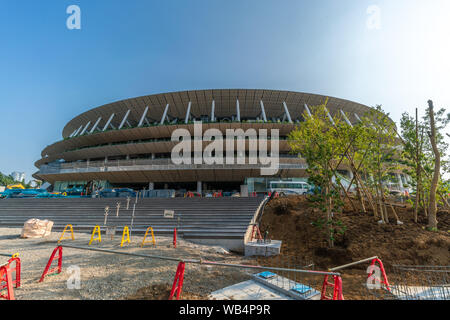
(64, 231)
(99, 238)
(127, 232)
(145, 237)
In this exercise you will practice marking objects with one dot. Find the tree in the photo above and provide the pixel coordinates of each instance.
(419, 156)
(381, 156)
(320, 144)
(412, 134)
(6, 180)
(432, 209)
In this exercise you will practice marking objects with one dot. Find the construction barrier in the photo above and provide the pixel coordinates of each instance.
(179, 275)
(17, 270)
(337, 289)
(64, 231)
(383, 273)
(145, 237)
(337, 283)
(6, 282)
(175, 237)
(126, 232)
(47, 270)
(255, 229)
(178, 281)
(99, 238)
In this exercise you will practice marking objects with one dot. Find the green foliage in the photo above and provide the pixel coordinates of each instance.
(382, 153)
(6, 180)
(333, 227)
(320, 144)
(418, 155)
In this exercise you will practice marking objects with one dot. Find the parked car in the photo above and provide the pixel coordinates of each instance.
(289, 187)
(107, 193)
(125, 192)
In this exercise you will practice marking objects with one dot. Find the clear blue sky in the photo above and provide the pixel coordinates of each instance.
(49, 74)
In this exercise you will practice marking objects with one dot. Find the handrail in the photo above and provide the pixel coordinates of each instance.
(158, 164)
(352, 264)
(199, 261)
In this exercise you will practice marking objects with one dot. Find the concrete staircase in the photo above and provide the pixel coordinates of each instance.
(214, 221)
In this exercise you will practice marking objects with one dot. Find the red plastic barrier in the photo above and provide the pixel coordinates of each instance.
(178, 281)
(383, 273)
(5, 276)
(16, 269)
(58, 268)
(337, 289)
(175, 237)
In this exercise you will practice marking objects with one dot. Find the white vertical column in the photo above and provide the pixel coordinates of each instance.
(85, 128)
(141, 122)
(346, 119)
(108, 122)
(307, 110)
(124, 119)
(95, 125)
(165, 114)
(199, 186)
(286, 111)
(213, 106)
(78, 131)
(238, 111)
(330, 117)
(263, 111)
(188, 112)
(151, 186)
(73, 133)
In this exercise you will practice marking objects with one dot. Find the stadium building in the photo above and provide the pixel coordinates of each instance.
(128, 143)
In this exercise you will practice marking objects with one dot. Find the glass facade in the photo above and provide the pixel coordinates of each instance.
(61, 186)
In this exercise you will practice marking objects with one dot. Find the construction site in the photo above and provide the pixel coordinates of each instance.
(255, 248)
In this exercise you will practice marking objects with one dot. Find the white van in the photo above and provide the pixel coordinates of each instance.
(289, 187)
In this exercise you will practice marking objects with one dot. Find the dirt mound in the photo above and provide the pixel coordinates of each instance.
(161, 291)
(292, 220)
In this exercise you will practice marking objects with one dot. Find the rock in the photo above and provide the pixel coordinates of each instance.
(219, 250)
(35, 228)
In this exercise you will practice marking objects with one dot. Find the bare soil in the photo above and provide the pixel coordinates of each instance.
(161, 291)
(291, 220)
(106, 276)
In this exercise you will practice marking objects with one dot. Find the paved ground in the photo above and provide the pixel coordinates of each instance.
(110, 276)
